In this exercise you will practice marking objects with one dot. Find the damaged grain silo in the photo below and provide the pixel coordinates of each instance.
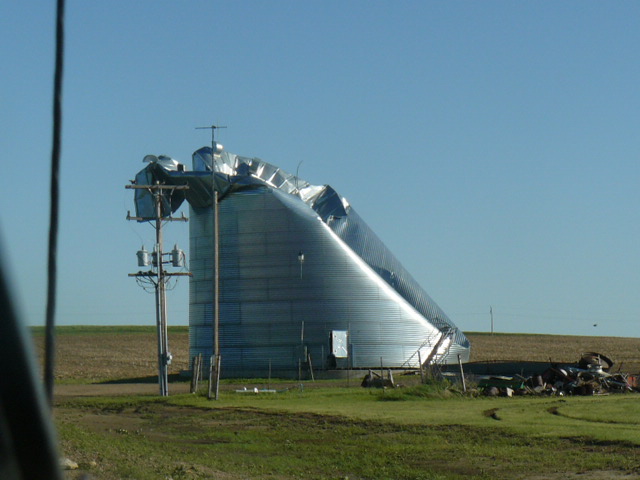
(301, 276)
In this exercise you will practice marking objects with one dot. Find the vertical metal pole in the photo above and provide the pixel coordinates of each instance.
(218, 362)
(212, 363)
(349, 353)
(464, 384)
(301, 352)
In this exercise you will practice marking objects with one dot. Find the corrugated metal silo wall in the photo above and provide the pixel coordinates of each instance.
(274, 309)
(364, 242)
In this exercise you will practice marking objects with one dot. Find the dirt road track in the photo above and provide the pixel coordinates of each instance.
(114, 389)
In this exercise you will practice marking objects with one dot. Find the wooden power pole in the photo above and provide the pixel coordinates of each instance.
(159, 278)
(215, 360)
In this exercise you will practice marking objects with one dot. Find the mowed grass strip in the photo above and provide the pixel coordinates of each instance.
(613, 418)
(144, 438)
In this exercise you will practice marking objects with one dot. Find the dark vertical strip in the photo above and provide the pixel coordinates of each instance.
(54, 212)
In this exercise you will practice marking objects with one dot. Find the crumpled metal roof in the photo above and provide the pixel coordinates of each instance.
(231, 172)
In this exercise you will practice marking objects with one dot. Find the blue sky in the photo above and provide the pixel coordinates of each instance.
(493, 146)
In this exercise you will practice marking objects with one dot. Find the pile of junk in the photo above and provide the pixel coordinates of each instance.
(591, 375)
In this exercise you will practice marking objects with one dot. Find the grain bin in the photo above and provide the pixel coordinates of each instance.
(302, 279)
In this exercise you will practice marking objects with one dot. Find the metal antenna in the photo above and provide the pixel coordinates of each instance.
(213, 139)
(298, 168)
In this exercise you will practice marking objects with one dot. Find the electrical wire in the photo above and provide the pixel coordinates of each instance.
(147, 285)
(55, 206)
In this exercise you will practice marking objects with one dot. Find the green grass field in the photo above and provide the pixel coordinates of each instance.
(324, 429)
(351, 433)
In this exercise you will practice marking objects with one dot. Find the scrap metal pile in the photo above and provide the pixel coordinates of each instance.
(591, 375)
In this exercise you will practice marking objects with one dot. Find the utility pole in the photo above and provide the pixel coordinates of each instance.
(214, 367)
(491, 313)
(215, 360)
(160, 276)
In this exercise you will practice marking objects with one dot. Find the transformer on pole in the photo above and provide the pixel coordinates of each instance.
(158, 276)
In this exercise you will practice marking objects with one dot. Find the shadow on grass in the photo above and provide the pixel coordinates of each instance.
(174, 377)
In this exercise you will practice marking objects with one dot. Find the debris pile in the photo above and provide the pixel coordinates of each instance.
(373, 380)
(591, 375)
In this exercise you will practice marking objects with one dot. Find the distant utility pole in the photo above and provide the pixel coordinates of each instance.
(491, 313)
(159, 277)
(215, 360)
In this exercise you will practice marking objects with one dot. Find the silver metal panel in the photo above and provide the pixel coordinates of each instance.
(281, 304)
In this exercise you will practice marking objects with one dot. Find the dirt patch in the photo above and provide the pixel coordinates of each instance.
(625, 352)
(492, 413)
(592, 475)
(130, 360)
(104, 356)
(62, 392)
